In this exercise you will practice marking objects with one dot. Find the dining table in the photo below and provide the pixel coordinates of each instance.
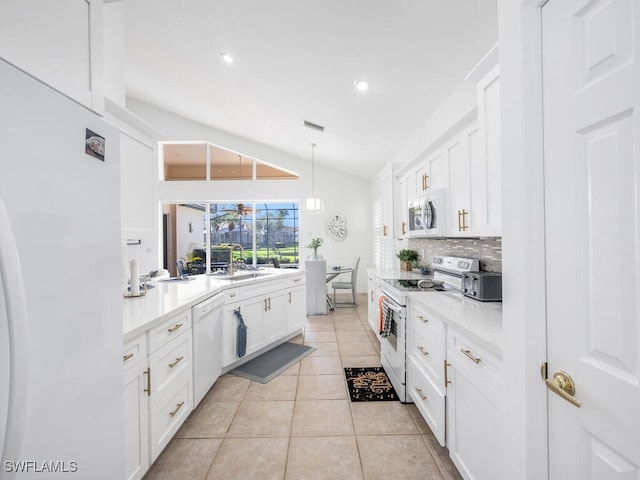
(332, 273)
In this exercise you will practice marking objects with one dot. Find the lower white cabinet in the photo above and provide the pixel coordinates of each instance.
(372, 303)
(474, 419)
(455, 384)
(135, 409)
(296, 303)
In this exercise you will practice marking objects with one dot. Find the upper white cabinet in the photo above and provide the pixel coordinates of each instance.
(138, 156)
(489, 130)
(58, 42)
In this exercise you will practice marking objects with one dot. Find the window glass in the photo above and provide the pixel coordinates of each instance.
(185, 161)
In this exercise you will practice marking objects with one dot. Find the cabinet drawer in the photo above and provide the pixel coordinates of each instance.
(167, 417)
(169, 329)
(481, 365)
(261, 288)
(429, 354)
(170, 365)
(231, 295)
(134, 351)
(295, 281)
(429, 326)
(429, 401)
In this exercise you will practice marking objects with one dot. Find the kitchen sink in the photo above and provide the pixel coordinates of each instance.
(239, 276)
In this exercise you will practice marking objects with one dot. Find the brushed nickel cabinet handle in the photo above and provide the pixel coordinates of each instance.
(147, 372)
(422, 350)
(422, 395)
(127, 357)
(422, 319)
(446, 373)
(178, 407)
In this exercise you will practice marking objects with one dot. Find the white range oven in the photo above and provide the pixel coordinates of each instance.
(447, 276)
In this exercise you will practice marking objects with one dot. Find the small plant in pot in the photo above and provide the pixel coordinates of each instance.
(407, 258)
(314, 245)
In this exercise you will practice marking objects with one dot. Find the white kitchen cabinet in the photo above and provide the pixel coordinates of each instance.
(262, 307)
(138, 206)
(296, 303)
(400, 204)
(474, 412)
(373, 294)
(386, 233)
(426, 356)
(170, 379)
(490, 138)
(136, 416)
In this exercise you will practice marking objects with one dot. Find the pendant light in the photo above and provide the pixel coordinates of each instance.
(313, 204)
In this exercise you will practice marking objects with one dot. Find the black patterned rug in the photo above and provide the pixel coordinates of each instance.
(369, 384)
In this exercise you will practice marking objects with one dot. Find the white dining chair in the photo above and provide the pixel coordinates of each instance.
(347, 286)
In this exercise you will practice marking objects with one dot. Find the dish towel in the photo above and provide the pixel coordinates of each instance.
(241, 347)
(387, 315)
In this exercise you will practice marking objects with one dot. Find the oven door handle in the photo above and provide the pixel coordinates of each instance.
(391, 306)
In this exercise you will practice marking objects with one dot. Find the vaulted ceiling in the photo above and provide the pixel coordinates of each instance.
(297, 60)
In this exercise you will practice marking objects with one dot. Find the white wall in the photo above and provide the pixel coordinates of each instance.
(342, 193)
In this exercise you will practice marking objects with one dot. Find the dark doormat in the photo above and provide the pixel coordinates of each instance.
(272, 363)
(369, 384)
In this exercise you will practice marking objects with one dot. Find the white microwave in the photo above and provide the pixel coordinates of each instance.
(427, 215)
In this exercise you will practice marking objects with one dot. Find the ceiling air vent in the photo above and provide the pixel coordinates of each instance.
(314, 126)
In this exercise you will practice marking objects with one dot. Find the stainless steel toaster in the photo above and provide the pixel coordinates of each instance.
(483, 286)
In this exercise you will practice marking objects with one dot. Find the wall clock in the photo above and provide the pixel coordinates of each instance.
(336, 226)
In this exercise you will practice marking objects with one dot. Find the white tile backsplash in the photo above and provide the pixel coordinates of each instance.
(487, 250)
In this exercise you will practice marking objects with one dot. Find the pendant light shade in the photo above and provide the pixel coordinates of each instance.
(313, 204)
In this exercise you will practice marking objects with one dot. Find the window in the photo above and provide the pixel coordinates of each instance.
(204, 161)
(264, 230)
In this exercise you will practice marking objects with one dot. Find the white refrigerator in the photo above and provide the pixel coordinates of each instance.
(61, 400)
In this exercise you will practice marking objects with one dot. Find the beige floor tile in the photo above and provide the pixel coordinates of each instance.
(299, 339)
(320, 327)
(209, 420)
(352, 337)
(348, 326)
(322, 458)
(401, 457)
(382, 418)
(421, 425)
(322, 387)
(185, 459)
(357, 349)
(442, 458)
(321, 366)
(250, 458)
(322, 418)
(318, 337)
(292, 370)
(262, 419)
(228, 388)
(361, 361)
(283, 387)
(319, 319)
(325, 349)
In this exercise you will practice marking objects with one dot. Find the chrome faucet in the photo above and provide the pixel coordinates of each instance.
(230, 268)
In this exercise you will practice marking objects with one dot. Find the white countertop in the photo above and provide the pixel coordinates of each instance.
(168, 298)
(480, 320)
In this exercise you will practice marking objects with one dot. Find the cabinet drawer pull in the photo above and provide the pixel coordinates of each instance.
(297, 279)
(289, 297)
(127, 357)
(404, 228)
(468, 354)
(178, 407)
(462, 224)
(422, 395)
(174, 328)
(265, 304)
(269, 301)
(422, 319)
(371, 296)
(231, 295)
(178, 360)
(446, 373)
(147, 372)
(423, 351)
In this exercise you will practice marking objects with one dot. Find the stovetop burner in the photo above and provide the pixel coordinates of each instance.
(415, 285)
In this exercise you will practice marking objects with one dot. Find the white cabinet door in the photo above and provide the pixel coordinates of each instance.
(474, 413)
(274, 321)
(138, 207)
(438, 170)
(296, 308)
(136, 421)
(372, 303)
(400, 206)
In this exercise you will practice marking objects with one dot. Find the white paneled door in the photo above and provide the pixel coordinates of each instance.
(591, 89)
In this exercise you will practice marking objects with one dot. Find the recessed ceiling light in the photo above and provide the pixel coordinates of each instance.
(361, 85)
(227, 57)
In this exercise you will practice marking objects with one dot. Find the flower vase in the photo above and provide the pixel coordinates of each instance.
(314, 256)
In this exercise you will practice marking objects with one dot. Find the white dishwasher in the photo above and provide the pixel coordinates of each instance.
(207, 345)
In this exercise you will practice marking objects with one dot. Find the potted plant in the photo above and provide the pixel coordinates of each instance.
(407, 258)
(314, 244)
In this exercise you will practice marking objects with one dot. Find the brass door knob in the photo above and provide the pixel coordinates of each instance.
(562, 384)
